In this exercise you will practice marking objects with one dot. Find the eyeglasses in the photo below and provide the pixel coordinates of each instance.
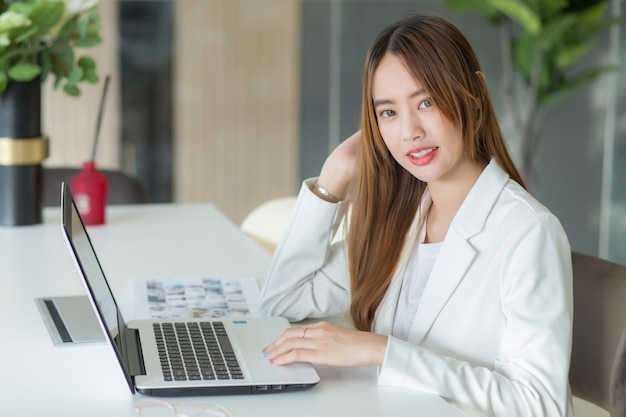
(149, 407)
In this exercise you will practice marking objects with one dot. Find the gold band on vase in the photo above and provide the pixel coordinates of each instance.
(23, 151)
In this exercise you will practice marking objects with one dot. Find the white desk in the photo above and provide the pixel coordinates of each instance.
(157, 240)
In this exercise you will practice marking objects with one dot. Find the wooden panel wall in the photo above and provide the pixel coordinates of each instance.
(236, 102)
(236, 108)
(70, 122)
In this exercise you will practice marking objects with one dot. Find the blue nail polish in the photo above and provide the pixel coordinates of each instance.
(266, 354)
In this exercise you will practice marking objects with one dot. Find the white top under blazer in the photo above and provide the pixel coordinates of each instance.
(492, 332)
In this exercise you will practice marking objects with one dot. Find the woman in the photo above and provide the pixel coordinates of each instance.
(458, 282)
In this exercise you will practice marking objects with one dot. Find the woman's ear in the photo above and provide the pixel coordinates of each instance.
(482, 77)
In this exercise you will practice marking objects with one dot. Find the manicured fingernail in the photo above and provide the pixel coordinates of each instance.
(266, 354)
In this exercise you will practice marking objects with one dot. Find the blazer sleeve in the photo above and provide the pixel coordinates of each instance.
(529, 375)
(308, 275)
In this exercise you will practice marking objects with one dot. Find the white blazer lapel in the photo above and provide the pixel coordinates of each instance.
(453, 260)
(456, 252)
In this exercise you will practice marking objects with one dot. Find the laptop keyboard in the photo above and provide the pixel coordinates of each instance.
(193, 351)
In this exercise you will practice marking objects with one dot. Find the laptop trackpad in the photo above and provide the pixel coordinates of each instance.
(254, 343)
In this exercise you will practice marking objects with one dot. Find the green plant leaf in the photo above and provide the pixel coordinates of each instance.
(93, 28)
(548, 8)
(63, 60)
(91, 77)
(93, 16)
(57, 80)
(23, 8)
(524, 53)
(46, 65)
(593, 14)
(519, 12)
(87, 62)
(568, 54)
(68, 29)
(26, 34)
(591, 21)
(88, 41)
(554, 30)
(589, 30)
(24, 71)
(82, 28)
(46, 15)
(71, 90)
(4, 81)
(559, 91)
(75, 75)
(21, 54)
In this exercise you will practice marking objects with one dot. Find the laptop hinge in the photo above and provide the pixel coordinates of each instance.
(133, 349)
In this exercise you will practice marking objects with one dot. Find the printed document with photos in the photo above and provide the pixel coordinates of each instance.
(194, 298)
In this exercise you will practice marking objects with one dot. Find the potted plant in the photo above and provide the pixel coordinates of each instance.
(39, 37)
(38, 41)
(542, 42)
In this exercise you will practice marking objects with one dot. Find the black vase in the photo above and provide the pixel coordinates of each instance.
(22, 149)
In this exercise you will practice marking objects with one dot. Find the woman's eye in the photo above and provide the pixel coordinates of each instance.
(425, 104)
(387, 113)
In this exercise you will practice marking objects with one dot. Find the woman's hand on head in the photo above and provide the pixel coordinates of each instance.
(325, 343)
(338, 170)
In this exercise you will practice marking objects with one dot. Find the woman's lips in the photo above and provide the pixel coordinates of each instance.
(422, 156)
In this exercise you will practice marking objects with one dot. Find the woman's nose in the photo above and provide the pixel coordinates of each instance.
(412, 128)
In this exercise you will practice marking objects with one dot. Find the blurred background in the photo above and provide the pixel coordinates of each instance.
(235, 102)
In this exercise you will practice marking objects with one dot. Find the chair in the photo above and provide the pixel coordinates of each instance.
(265, 223)
(598, 364)
(123, 188)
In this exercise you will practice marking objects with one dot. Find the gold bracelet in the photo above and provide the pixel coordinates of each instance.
(325, 193)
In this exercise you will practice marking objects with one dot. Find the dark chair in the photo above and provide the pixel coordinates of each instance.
(123, 188)
(598, 365)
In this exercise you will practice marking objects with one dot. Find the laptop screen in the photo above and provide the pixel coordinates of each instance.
(93, 272)
(95, 281)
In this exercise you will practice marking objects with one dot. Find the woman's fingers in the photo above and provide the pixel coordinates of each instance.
(327, 344)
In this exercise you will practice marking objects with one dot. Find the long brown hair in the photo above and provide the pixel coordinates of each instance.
(385, 196)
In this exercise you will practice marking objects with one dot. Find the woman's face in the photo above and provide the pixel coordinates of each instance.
(420, 138)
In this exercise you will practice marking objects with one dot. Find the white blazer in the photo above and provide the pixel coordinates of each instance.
(492, 333)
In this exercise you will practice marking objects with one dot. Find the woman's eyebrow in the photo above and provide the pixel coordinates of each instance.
(381, 102)
(417, 93)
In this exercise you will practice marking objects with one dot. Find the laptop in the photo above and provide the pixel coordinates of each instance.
(181, 357)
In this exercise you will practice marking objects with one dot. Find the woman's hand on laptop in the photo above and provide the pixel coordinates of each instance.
(325, 343)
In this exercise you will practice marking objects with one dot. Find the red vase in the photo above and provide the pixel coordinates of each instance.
(89, 189)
